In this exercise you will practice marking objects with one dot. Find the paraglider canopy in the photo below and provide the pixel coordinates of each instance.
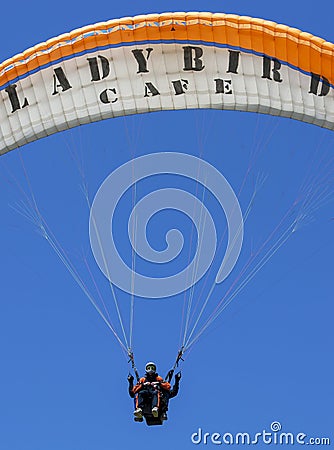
(160, 62)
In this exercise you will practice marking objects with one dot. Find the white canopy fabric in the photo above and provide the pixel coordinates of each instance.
(164, 62)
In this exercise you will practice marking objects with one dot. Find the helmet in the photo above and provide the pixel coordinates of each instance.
(150, 367)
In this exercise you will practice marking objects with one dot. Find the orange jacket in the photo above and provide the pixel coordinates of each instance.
(164, 384)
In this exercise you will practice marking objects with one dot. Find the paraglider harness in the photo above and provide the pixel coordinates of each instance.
(165, 396)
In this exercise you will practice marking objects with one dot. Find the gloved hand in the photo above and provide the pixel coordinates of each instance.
(130, 378)
(178, 377)
(147, 383)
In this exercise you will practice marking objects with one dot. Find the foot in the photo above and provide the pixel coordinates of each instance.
(164, 416)
(155, 412)
(138, 413)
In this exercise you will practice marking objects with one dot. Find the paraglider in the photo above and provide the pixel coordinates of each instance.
(155, 63)
(152, 394)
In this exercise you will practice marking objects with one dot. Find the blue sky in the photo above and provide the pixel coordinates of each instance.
(267, 358)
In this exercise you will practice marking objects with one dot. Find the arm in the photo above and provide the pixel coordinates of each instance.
(175, 390)
(130, 380)
(163, 384)
(138, 386)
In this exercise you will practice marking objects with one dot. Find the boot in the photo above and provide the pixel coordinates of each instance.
(138, 413)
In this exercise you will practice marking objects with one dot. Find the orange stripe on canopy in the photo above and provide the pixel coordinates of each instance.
(301, 50)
